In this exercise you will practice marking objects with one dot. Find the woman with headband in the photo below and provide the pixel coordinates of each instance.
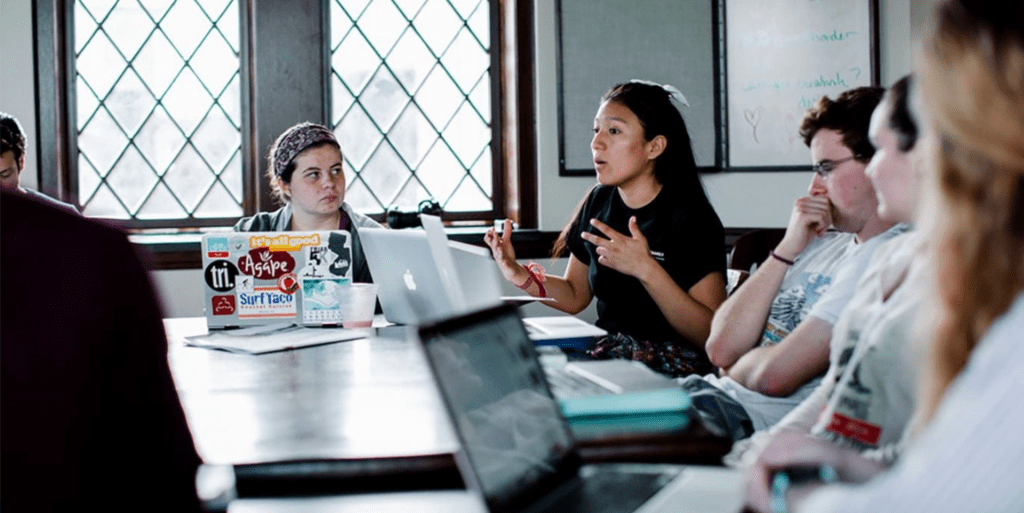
(306, 176)
(645, 240)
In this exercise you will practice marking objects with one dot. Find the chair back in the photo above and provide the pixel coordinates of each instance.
(753, 247)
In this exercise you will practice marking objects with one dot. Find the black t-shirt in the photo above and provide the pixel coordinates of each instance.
(685, 236)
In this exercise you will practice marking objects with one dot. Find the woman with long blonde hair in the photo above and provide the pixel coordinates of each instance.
(968, 451)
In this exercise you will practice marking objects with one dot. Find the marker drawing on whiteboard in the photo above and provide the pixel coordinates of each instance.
(753, 118)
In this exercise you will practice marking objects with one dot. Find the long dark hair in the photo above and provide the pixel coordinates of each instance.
(676, 167)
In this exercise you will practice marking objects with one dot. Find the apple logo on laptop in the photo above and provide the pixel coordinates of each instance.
(410, 282)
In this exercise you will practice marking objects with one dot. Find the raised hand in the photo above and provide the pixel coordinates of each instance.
(502, 251)
(628, 254)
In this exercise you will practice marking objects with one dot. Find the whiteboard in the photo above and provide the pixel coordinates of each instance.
(606, 42)
(781, 57)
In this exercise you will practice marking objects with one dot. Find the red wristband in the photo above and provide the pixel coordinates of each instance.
(536, 276)
(780, 259)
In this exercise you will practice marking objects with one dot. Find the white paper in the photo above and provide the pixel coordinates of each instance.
(274, 337)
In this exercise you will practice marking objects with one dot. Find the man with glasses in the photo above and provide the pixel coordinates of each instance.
(771, 337)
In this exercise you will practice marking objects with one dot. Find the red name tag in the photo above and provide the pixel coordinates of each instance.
(855, 429)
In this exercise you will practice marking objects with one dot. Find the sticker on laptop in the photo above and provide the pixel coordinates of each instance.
(266, 303)
(220, 275)
(217, 247)
(288, 283)
(320, 300)
(265, 264)
(222, 305)
(341, 244)
(318, 260)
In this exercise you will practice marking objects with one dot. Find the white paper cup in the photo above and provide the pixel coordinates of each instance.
(357, 302)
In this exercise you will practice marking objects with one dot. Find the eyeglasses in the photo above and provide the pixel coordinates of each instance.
(825, 167)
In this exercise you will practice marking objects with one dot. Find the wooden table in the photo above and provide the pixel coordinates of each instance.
(362, 402)
(357, 399)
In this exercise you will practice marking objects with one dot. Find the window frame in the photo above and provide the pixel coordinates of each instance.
(267, 53)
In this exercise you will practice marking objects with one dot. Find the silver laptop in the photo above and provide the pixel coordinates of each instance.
(416, 277)
(260, 278)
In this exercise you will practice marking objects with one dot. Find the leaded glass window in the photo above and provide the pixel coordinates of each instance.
(411, 102)
(158, 108)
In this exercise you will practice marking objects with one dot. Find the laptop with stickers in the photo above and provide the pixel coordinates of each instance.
(258, 278)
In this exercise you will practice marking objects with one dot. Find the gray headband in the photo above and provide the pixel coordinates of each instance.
(297, 139)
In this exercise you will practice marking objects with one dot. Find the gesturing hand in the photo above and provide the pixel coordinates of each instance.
(628, 254)
(501, 250)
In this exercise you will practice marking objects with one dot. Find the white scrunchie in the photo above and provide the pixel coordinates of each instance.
(671, 90)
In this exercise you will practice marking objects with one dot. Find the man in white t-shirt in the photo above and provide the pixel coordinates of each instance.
(771, 337)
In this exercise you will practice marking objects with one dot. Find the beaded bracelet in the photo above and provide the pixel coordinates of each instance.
(536, 276)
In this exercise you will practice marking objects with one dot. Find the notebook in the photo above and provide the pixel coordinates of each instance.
(517, 451)
(260, 278)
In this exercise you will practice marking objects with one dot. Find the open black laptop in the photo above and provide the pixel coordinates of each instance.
(517, 450)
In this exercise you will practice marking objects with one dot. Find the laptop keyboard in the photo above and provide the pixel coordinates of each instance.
(568, 384)
(608, 490)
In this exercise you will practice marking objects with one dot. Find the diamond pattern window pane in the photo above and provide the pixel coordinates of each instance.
(128, 26)
(158, 64)
(417, 125)
(382, 23)
(411, 60)
(384, 98)
(185, 25)
(159, 108)
(129, 102)
(85, 27)
(412, 135)
(409, 7)
(383, 172)
(208, 63)
(438, 24)
(467, 135)
(354, 61)
(358, 137)
(191, 175)
(159, 140)
(87, 103)
(465, 60)
(97, 9)
(131, 179)
(100, 64)
(354, 8)
(156, 8)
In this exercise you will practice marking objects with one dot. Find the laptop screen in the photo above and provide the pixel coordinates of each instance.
(512, 430)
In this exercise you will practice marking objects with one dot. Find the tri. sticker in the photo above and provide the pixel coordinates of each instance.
(220, 275)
